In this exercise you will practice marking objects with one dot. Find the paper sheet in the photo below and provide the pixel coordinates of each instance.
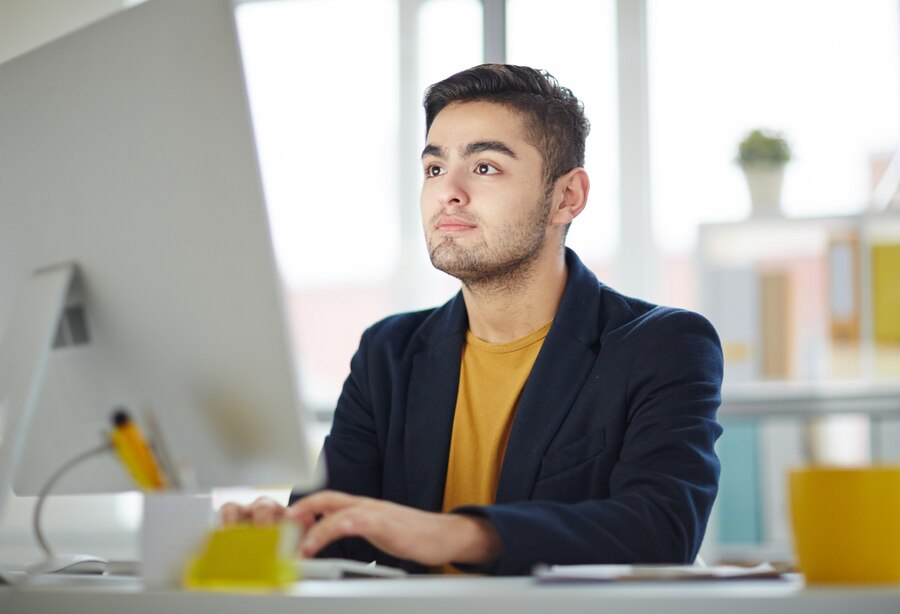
(644, 573)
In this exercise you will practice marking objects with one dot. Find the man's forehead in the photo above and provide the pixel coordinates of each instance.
(472, 126)
(478, 115)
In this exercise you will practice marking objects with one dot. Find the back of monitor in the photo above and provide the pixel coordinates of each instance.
(128, 153)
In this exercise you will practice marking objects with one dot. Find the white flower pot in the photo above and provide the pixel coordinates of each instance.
(765, 181)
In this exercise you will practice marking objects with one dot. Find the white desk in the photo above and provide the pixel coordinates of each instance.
(454, 595)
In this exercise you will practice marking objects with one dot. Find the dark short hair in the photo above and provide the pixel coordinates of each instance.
(554, 118)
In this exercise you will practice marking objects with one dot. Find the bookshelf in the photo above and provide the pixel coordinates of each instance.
(808, 310)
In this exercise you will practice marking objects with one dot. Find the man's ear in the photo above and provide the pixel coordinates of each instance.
(570, 196)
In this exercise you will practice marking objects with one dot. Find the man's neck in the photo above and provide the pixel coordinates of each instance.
(503, 311)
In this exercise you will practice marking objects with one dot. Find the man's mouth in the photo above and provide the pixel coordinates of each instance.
(452, 223)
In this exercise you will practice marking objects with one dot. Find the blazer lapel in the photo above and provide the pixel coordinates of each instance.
(559, 373)
(431, 404)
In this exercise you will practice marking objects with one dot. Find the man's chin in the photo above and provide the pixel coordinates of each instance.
(472, 271)
(448, 257)
(461, 269)
(453, 268)
(467, 269)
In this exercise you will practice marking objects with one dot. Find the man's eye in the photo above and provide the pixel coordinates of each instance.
(486, 169)
(433, 170)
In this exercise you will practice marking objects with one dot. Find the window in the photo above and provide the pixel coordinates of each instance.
(329, 171)
(450, 40)
(576, 42)
(823, 73)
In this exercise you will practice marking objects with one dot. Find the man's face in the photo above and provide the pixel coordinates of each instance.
(483, 202)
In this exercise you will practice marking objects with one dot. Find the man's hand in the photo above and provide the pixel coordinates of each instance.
(405, 532)
(263, 511)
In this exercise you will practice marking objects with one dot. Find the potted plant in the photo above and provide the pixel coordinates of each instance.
(762, 155)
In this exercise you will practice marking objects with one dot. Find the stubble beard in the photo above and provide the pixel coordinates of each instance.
(506, 266)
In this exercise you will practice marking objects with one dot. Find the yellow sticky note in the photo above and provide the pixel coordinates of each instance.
(245, 558)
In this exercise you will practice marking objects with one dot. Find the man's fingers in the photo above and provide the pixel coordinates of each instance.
(266, 514)
(231, 513)
(309, 508)
(300, 516)
(344, 523)
(325, 517)
(263, 511)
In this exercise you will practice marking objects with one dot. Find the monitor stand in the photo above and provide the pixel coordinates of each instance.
(24, 351)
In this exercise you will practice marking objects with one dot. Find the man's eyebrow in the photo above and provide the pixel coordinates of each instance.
(497, 146)
(434, 150)
(471, 149)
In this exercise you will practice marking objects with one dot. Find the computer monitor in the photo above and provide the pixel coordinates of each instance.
(131, 210)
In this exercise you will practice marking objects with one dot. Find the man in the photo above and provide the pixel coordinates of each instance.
(537, 417)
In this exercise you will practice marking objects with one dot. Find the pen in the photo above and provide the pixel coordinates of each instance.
(135, 453)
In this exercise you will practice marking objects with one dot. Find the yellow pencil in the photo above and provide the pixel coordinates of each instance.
(128, 457)
(135, 452)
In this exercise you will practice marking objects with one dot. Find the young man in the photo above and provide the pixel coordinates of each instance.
(539, 416)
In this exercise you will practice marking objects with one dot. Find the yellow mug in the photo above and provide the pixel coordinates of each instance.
(846, 524)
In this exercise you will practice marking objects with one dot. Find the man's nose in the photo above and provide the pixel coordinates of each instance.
(452, 191)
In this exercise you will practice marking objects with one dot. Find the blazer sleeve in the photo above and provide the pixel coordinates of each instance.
(665, 481)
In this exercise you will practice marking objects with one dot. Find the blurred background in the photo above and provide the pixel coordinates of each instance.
(803, 284)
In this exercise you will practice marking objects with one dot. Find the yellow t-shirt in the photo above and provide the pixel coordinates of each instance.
(491, 379)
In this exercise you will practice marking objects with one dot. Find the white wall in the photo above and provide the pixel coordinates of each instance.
(25, 24)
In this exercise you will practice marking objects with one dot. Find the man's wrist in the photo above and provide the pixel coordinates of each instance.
(479, 541)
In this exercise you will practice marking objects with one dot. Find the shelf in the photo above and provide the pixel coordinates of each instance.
(806, 398)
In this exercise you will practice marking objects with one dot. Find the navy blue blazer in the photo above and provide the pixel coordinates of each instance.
(610, 458)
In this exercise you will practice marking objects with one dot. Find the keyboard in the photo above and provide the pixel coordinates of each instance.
(335, 569)
(306, 569)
